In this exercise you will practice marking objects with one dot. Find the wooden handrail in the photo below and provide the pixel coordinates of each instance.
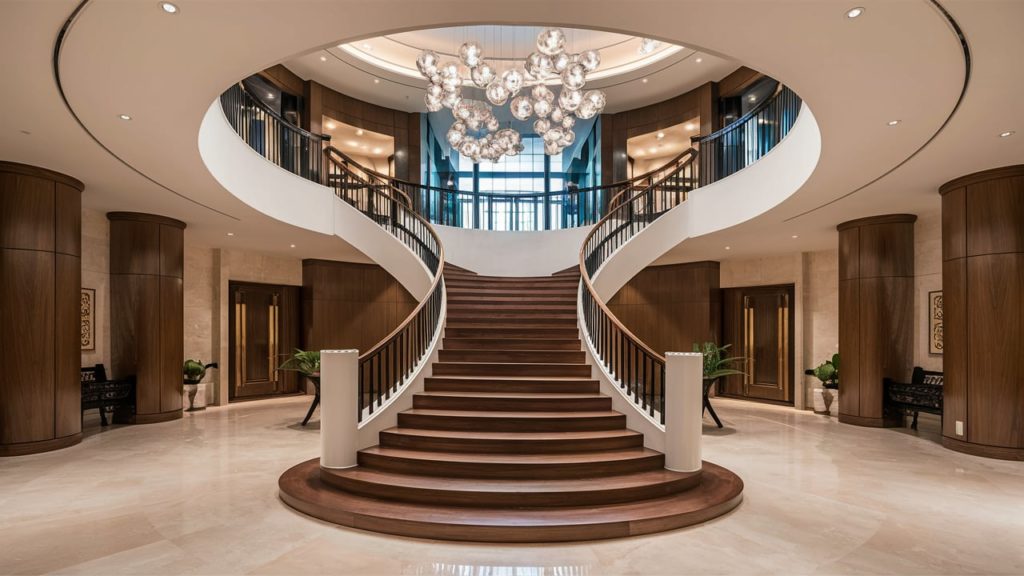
(332, 150)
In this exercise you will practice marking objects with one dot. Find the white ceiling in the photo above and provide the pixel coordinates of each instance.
(899, 60)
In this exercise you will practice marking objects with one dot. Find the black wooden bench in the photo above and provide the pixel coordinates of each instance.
(922, 394)
(98, 392)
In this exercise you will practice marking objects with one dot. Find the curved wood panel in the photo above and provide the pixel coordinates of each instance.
(983, 289)
(40, 290)
(147, 311)
(876, 303)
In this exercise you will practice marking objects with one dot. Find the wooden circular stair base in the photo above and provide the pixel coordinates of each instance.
(718, 491)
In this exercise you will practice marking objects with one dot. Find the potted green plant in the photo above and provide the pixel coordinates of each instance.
(716, 366)
(828, 374)
(193, 372)
(307, 363)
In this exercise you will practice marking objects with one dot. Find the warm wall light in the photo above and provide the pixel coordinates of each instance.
(168, 8)
(854, 12)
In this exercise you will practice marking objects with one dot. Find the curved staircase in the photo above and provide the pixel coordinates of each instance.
(511, 440)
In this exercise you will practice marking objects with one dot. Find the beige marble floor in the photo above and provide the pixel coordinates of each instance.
(199, 496)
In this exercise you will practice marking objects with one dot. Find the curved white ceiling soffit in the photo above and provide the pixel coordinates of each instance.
(899, 60)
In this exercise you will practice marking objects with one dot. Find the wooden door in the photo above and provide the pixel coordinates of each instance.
(264, 331)
(758, 322)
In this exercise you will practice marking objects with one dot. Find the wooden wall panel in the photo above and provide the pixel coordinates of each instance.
(27, 353)
(739, 80)
(40, 291)
(147, 311)
(876, 321)
(348, 305)
(983, 289)
(67, 345)
(954, 360)
(671, 307)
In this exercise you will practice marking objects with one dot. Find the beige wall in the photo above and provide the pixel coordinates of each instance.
(927, 278)
(96, 275)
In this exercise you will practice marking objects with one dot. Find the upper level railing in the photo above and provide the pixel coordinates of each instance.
(745, 141)
(526, 211)
(634, 366)
(290, 147)
(385, 367)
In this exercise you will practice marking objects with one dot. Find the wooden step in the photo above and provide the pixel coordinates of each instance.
(560, 292)
(512, 401)
(476, 492)
(511, 344)
(455, 330)
(514, 384)
(512, 285)
(541, 317)
(514, 356)
(519, 466)
(718, 492)
(510, 442)
(525, 307)
(510, 321)
(478, 280)
(510, 369)
(517, 421)
(473, 298)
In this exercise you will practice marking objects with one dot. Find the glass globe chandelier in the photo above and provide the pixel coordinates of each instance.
(476, 133)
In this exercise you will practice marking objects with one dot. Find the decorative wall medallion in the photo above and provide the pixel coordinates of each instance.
(935, 322)
(88, 319)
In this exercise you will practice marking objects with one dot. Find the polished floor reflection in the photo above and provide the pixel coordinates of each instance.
(199, 496)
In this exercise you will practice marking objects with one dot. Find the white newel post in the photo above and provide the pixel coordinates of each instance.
(684, 410)
(339, 422)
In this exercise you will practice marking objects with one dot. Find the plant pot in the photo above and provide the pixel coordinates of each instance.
(191, 389)
(818, 399)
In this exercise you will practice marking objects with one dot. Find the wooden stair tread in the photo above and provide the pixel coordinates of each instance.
(535, 436)
(567, 486)
(515, 395)
(538, 414)
(554, 460)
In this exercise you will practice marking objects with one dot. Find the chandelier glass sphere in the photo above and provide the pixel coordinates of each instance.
(477, 133)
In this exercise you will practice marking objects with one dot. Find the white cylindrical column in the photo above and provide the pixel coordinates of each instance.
(339, 418)
(684, 410)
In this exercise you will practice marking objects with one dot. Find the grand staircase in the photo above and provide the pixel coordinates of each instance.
(511, 439)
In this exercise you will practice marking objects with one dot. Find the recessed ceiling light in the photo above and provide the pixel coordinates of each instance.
(367, 47)
(359, 132)
(364, 146)
(331, 125)
(652, 150)
(639, 152)
(661, 135)
(323, 58)
(168, 8)
(124, 117)
(690, 127)
(893, 122)
(231, 233)
(699, 60)
(293, 245)
(644, 80)
(376, 80)
(854, 12)
(377, 150)
(728, 247)
(352, 143)
(752, 98)
(1007, 134)
(795, 236)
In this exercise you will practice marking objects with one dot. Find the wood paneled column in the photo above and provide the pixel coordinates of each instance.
(40, 295)
(147, 311)
(983, 324)
(876, 314)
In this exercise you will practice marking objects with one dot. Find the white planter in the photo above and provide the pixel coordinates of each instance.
(199, 400)
(818, 400)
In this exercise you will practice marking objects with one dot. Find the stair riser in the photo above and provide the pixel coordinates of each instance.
(511, 344)
(510, 332)
(526, 386)
(511, 423)
(509, 499)
(485, 299)
(512, 316)
(531, 308)
(456, 292)
(567, 370)
(562, 285)
(512, 404)
(528, 356)
(522, 446)
(537, 471)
